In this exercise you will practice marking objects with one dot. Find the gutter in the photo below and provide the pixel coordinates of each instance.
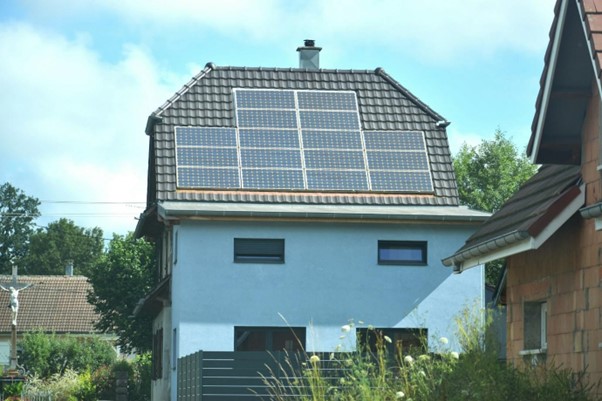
(591, 212)
(175, 210)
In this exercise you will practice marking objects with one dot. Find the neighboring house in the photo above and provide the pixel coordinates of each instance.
(54, 304)
(286, 201)
(549, 231)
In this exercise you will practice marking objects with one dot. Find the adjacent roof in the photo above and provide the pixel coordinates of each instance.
(53, 304)
(384, 104)
(527, 219)
(572, 61)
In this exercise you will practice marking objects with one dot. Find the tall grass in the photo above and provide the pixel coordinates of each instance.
(415, 375)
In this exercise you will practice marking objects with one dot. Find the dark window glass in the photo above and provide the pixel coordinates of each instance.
(402, 252)
(290, 339)
(258, 250)
(535, 321)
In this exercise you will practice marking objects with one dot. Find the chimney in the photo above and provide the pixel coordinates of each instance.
(309, 55)
(69, 268)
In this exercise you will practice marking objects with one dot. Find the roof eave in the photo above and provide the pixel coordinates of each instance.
(515, 242)
(177, 210)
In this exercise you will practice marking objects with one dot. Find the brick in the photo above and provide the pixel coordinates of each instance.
(560, 343)
(568, 282)
(591, 277)
(591, 319)
(578, 341)
(562, 303)
(560, 324)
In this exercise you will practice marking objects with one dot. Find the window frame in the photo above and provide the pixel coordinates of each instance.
(540, 312)
(422, 246)
(259, 250)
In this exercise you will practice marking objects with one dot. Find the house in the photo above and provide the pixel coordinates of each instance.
(549, 231)
(286, 201)
(53, 304)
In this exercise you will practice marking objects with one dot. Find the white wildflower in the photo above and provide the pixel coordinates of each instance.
(346, 328)
(399, 394)
(314, 359)
(424, 357)
(388, 339)
(422, 373)
(444, 340)
(408, 359)
(455, 355)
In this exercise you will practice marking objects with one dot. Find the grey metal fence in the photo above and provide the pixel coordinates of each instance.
(238, 376)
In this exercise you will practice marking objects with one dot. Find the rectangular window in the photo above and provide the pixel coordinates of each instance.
(403, 339)
(402, 253)
(157, 355)
(291, 339)
(258, 250)
(535, 325)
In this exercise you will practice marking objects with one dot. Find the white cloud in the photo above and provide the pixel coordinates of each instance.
(74, 125)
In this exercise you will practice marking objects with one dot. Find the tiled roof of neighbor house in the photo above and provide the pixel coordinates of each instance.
(525, 214)
(207, 101)
(53, 304)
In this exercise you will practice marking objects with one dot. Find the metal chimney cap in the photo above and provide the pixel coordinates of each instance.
(309, 42)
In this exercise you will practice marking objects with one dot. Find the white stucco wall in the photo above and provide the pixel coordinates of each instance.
(330, 275)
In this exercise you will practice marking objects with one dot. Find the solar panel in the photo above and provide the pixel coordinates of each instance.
(200, 136)
(265, 99)
(270, 158)
(194, 177)
(208, 157)
(266, 118)
(319, 100)
(402, 140)
(385, 160)
(336, 180)
(301, 140)
(333, 159)
(332, 139)
(329, 120)
(273, 179)
(261, 138)
(401, 181)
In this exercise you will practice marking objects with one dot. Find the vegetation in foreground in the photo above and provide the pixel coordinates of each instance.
(474, 375)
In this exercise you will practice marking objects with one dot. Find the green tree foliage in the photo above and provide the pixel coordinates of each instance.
(487, 176)
(18, 212)
(124, 276)
(51, 248)
(45, 355)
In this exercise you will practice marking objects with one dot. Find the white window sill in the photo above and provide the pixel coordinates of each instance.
(537, 351)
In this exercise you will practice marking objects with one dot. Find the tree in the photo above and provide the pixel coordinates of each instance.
(51, 248)
(44, 354)
(124, 276)
(17, 219)
(488, 175)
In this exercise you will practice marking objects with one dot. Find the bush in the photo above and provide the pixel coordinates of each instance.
(46, 355)
(139, 378)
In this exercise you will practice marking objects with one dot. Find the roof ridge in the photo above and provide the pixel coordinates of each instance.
(380, 71)
(292, 69)
(208, 67)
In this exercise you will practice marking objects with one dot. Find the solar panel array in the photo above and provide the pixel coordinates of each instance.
(300, 140)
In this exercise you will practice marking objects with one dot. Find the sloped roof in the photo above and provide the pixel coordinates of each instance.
(572, 60)
(542, 202)
(53, 304)
(384, 104)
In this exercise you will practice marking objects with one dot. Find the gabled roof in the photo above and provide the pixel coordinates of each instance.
(53, 304)
(384, 104)
(527, 219)
(573, 61)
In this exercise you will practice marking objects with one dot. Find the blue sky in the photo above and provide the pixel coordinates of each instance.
(79, 78)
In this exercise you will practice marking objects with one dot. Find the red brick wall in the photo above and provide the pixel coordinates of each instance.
(566, 272)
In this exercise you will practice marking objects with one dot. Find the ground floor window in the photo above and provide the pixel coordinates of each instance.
(535, 325)
(157, 356)
(402, 253)
(404, 339)
(269, 339)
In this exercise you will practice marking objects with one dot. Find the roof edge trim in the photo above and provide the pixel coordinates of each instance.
(208, 67)
(174, 210)
(591, 212)
(438, 117)
(590, 47)
(514, 242)
(533, 150)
